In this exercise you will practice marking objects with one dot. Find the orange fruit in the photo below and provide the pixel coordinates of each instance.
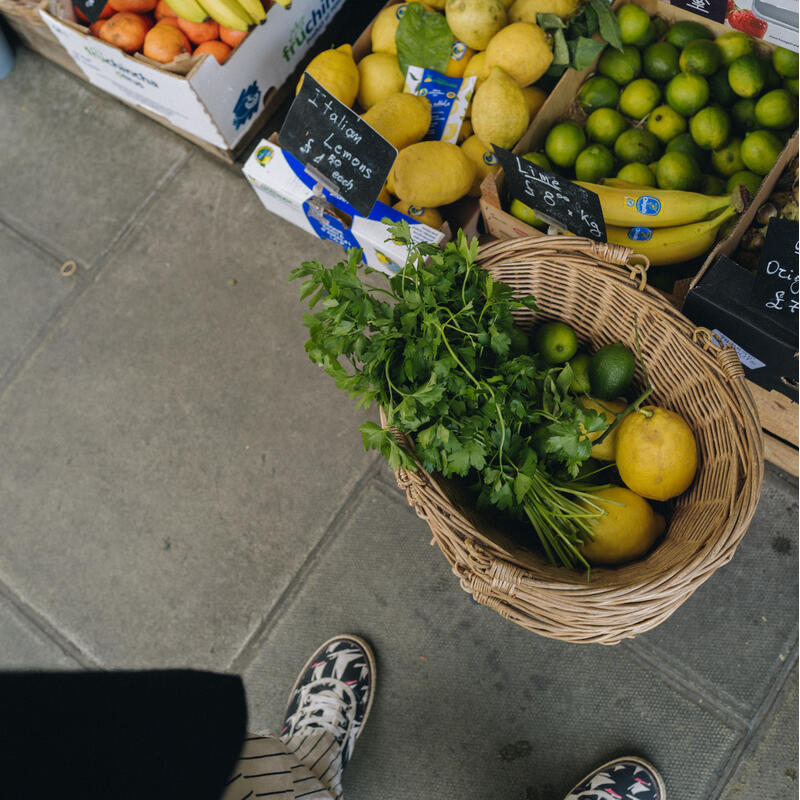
(125, 30)
(136, 6)
(231, 37)
(162, 10)
(199, 32)
(164, 43)
(168, 21)
(94, 28)
(219, 50)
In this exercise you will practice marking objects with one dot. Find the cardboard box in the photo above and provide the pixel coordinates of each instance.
(216, 105)
(562, 104)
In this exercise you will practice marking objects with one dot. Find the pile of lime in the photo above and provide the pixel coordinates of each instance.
(678, 109)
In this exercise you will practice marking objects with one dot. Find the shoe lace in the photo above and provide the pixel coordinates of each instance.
(327, 709)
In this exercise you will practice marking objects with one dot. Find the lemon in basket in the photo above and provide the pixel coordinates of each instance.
(608, 409)
(626, 530)
(656, 453)
(336, 71)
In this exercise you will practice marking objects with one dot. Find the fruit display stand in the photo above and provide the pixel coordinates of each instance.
(218, 107)
(560, 105)
(689, 374)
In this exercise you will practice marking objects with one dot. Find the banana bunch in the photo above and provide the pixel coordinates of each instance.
(666, 225)
(238, 15)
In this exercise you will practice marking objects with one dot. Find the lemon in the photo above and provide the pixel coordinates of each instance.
(665, 123)
(627, 530)
(564, 142)
(336, 72)
(611, 371)
(427, 216)
(728, 159)
(608, 409)
(522, 50)
(710, 128)
(466, 131)
(460, 56)
(555, 342)
(477, 67)
(384, 29)
(604, 126)
(678, 171)
(474, 22)
(598, 92)
(594, 163)
(732, 45)
(401, 118)
(534, 97)
(620, 67)
(385, 196)
(660, 62)
(700, 56)
(633, 22)
(432, 174)
(639, 97)
(656, 453)
(687, 93)
(637, 173)
(746, 76)
(785, 62)
(579, 364)
(760, 150)
(380, 76)
(499, 110)
(484, 159)
(776, 109)
(526, 10)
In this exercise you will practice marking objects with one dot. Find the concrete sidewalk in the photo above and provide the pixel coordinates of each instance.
(180, 486)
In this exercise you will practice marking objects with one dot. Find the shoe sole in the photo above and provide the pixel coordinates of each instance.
(662, 789)
(373, 671)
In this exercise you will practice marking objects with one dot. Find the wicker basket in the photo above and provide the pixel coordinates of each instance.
(581, 283)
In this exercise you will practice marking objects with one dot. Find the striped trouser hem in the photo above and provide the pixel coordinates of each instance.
(268, 768)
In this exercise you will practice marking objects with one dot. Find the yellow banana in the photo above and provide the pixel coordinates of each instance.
(190, 10)
(284, 3)
(673, 245)
(656, 208)
(228, 13)
(254, 9)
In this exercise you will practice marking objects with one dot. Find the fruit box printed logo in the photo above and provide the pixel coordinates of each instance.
(246, 105)
(305, 29)
(264, 155)
(122, 71)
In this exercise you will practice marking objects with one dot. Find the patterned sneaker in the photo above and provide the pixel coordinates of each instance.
(629, 778)
(328, 706)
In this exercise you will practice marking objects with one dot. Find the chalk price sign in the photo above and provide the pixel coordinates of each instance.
(332, 140)
(777, 282)
(555, 199)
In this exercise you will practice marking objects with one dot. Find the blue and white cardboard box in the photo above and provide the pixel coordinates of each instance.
(285, 188)
(218, 103)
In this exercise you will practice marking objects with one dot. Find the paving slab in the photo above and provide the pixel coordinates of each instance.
(769, 770)
(171, 455)
(26, 647)
(32, 291)
(469, 705)
(76, 164)
(737, 628)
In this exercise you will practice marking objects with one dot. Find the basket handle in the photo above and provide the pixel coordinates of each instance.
(725, 354)
(616, 254)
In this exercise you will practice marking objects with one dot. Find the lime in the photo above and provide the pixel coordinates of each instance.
(760, 150)
(580, 373)
(732, 45)
(636, 145)
(633, 23)
(519, 341)
(639, 98)
(652, 166)
(771, 78)
(660, 62)
(700, 56)
(611, 371)
(720, 88)
(678, 171)
(746, 76)
(683, 143)
(728, 159)
(648, 37)
(665, 123)
(620, 67)
(594, 163)
(564, 142)
(710, 127)
(743, 114)
(745, 178)
(555, 342)
(598, 92)
(604, 125)
(776, 109)
(712, 185)
(687, 93)
(790, 84)
(681, 33)
(540, 159)
(785, 62)
(525, 213)
(637, 173)
(784, 134)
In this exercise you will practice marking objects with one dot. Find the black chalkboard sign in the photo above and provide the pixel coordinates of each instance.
(710, 9)
(92, 9)
(775, 290)
(330, 139)
(555, 199)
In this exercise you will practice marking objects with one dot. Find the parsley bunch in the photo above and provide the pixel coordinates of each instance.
(438, 350)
